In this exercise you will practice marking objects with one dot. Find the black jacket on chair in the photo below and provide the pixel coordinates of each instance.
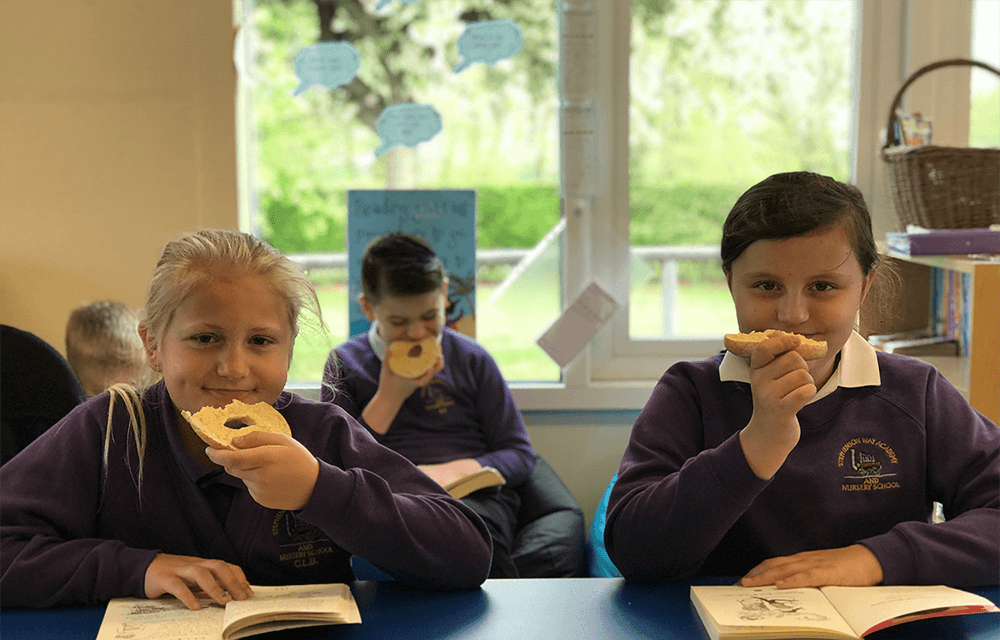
(551, 541)
(37, 388)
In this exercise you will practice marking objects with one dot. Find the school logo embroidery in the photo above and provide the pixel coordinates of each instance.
(437, 396)
(302, 544)
(868, 465)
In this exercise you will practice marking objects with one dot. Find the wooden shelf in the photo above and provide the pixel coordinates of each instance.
(978, 375)
(965, 264)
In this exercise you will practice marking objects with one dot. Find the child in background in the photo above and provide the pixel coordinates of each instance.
(103, 345)
(806, 473)
(128, 501)
(457, 417)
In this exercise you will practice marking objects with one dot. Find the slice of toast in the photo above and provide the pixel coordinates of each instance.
(743, 344)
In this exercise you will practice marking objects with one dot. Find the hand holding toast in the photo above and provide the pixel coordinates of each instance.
(781, 385)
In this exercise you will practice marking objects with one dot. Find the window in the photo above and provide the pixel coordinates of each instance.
(684, 105)
(984, 125)
(499, 137)
(722, 95)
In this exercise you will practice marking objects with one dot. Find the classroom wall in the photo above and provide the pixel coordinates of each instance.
(117, 133)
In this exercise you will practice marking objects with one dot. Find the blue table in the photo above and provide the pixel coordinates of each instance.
(553, 609)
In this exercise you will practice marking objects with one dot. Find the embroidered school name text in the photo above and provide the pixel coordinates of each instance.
(871, 441)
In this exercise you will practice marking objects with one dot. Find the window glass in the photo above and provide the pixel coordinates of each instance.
(499, 137)
(984, 125)
(723, 94)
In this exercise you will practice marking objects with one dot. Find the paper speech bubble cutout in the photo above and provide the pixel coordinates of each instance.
(406, 124)
(489, 42)
(382, 4)
(327, 64)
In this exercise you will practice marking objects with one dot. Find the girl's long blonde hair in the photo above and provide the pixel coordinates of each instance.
(186, 263)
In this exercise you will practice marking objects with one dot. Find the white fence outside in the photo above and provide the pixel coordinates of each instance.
(666, 256)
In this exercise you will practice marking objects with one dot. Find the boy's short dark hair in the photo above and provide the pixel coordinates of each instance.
(400, 264)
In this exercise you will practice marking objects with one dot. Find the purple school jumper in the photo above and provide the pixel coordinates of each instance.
(870, 462)
(467, 410)
(76, 531)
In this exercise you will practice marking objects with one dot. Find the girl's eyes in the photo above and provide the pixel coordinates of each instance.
(771, 286)
(208, 339)
(823, 286)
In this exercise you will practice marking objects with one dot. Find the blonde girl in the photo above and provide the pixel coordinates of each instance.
(122, 499)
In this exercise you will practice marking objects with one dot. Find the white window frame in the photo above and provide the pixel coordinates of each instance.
(894, 37)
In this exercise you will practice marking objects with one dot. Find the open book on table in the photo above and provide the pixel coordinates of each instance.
(827, 612)
(485, 477)
(270, 609)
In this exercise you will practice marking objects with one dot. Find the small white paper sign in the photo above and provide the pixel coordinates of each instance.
(578, 324)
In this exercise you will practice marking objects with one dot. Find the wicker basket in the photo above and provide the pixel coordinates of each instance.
(942, 187)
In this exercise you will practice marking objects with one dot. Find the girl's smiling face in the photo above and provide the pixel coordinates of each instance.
(811, 285)
(230, 339)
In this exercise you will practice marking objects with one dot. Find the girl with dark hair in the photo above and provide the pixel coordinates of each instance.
(806, 473)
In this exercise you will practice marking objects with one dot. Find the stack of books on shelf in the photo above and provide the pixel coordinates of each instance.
(950, 328)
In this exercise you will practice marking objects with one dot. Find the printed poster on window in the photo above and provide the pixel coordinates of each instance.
(446, 219)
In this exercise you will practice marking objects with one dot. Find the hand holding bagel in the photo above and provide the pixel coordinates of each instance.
(398, 380)
(254, 443)
(279, 472)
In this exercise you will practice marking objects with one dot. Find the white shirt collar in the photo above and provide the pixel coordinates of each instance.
(858, 367)
(375, 340)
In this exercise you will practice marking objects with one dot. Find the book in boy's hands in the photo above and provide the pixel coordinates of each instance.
(270, 609)
(484, 477)
(827, 612)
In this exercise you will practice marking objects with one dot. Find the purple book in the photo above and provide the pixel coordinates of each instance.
(945, 241)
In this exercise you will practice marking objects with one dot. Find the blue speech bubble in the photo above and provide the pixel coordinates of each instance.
(327, 64)
(489, 42)
(406, 124)
(382, 4)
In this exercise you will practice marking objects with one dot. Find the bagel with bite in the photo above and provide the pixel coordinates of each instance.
(218, 427)
(413, 359)
(743, 344)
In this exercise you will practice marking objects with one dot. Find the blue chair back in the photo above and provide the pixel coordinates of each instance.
(597, 555)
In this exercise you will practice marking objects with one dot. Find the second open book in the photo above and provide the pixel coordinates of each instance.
(825, 613)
